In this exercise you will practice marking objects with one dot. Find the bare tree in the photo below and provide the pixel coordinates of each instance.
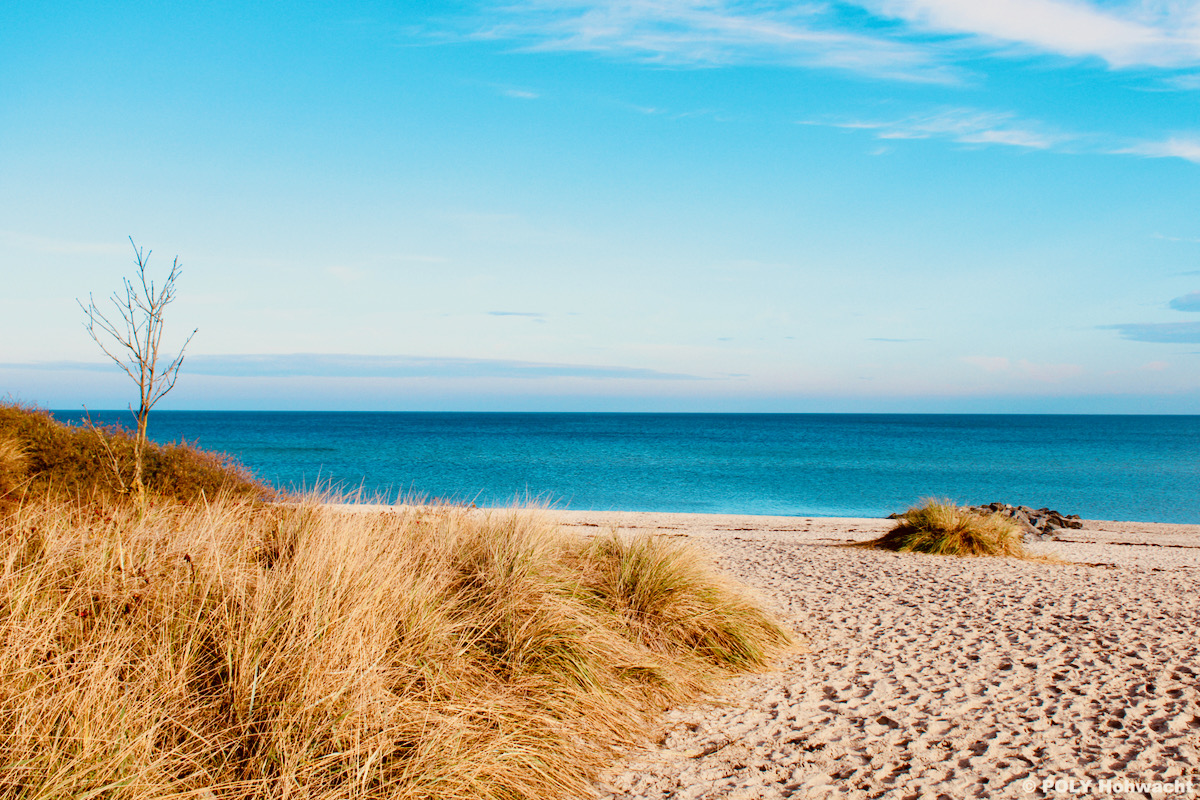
(133, 342)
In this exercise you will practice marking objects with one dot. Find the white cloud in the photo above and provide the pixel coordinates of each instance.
(714, 33)
(520, 94)
(1187, 239)
(965, 125)
(1124, 34)
(896, 44)
(972, 126)
(1184, 83)
(1175, 147)
(1012, 137)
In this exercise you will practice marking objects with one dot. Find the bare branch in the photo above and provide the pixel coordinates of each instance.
(171, 373)
(94, 319)
(138, 335)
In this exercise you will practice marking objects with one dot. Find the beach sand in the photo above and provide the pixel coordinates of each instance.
(939, 677)
(934, 676)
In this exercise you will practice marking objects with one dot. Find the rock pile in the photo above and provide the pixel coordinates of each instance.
(1037, 523)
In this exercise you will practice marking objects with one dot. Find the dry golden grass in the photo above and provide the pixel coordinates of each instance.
(236, 650)
(73, 461)
(944, 528)
(13, 461)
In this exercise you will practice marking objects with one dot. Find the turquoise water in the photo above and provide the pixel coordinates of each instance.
(1107, 467)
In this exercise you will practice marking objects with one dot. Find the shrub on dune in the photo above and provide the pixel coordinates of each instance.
(39, 454)
(944, 528)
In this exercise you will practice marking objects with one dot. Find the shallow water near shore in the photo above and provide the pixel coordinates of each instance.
(852, 465)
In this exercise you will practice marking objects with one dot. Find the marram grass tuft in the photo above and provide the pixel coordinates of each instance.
(944, 528)
(237, 650)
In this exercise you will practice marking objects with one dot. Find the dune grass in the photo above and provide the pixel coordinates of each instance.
(40, 455)
(944, 528)
(13, 459)
(226, 649)
(212, 645)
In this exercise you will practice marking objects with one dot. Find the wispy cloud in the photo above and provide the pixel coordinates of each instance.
(963, 125)
(976, 127)
(1188, 302)
(342, 365)
(902, 39)
(1164, 332)
(1187, 148)
(1159, 332)
(666, 113)
(519, 94)
(1124, 33)
(1183, 83)
(1190, 240)
(699, 33)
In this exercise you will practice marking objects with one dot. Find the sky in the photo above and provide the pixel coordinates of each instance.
(648, 205)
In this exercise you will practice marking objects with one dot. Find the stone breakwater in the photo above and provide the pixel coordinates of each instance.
(1035, 523)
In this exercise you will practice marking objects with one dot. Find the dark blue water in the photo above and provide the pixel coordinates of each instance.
(1107, 467)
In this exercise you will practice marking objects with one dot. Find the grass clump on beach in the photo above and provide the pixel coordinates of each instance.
(944, 528)
(40, 455)
(230, 650)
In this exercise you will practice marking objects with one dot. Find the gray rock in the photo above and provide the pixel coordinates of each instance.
(1036, 524)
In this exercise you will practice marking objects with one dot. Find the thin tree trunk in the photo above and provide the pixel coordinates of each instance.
(137, 332)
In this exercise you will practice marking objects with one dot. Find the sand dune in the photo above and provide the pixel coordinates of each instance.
(941, 677)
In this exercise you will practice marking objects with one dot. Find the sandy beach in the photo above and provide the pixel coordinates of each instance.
(932, 676)
(939, 677)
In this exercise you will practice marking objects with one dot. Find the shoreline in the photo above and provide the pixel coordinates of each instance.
(935, 675)
(697, 522)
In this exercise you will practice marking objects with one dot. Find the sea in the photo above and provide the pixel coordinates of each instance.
(1141, 468)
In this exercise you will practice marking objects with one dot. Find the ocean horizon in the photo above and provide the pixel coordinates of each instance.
(1130, 467)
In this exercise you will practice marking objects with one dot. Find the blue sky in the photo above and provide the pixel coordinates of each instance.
(885, 205)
